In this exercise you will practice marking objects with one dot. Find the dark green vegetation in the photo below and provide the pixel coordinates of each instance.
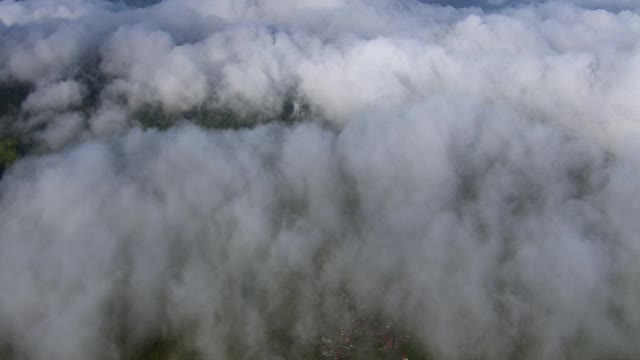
(280, 341)
(158, 348)
(155, 117)
(141, 3)
(19, 134)
(283, 344)
(8, 153)
(12, 94)
(6, 352)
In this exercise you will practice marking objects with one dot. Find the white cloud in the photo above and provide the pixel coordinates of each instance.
(469, 174)
(55, 96)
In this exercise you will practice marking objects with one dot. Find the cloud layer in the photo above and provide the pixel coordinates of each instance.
(220, 175)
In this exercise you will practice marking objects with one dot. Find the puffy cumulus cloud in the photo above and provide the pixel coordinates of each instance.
(55, 96)
(60, 130)
(467, 174)
(40, 55)
(14, 12)
(109, 119)
(153, 68)
(612, 5)
(481, 232)
(609, 5)
(339, 58)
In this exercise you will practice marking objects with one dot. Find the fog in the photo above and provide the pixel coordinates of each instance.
(238, 179)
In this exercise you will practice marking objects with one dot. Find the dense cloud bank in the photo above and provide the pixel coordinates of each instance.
(237, 179)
